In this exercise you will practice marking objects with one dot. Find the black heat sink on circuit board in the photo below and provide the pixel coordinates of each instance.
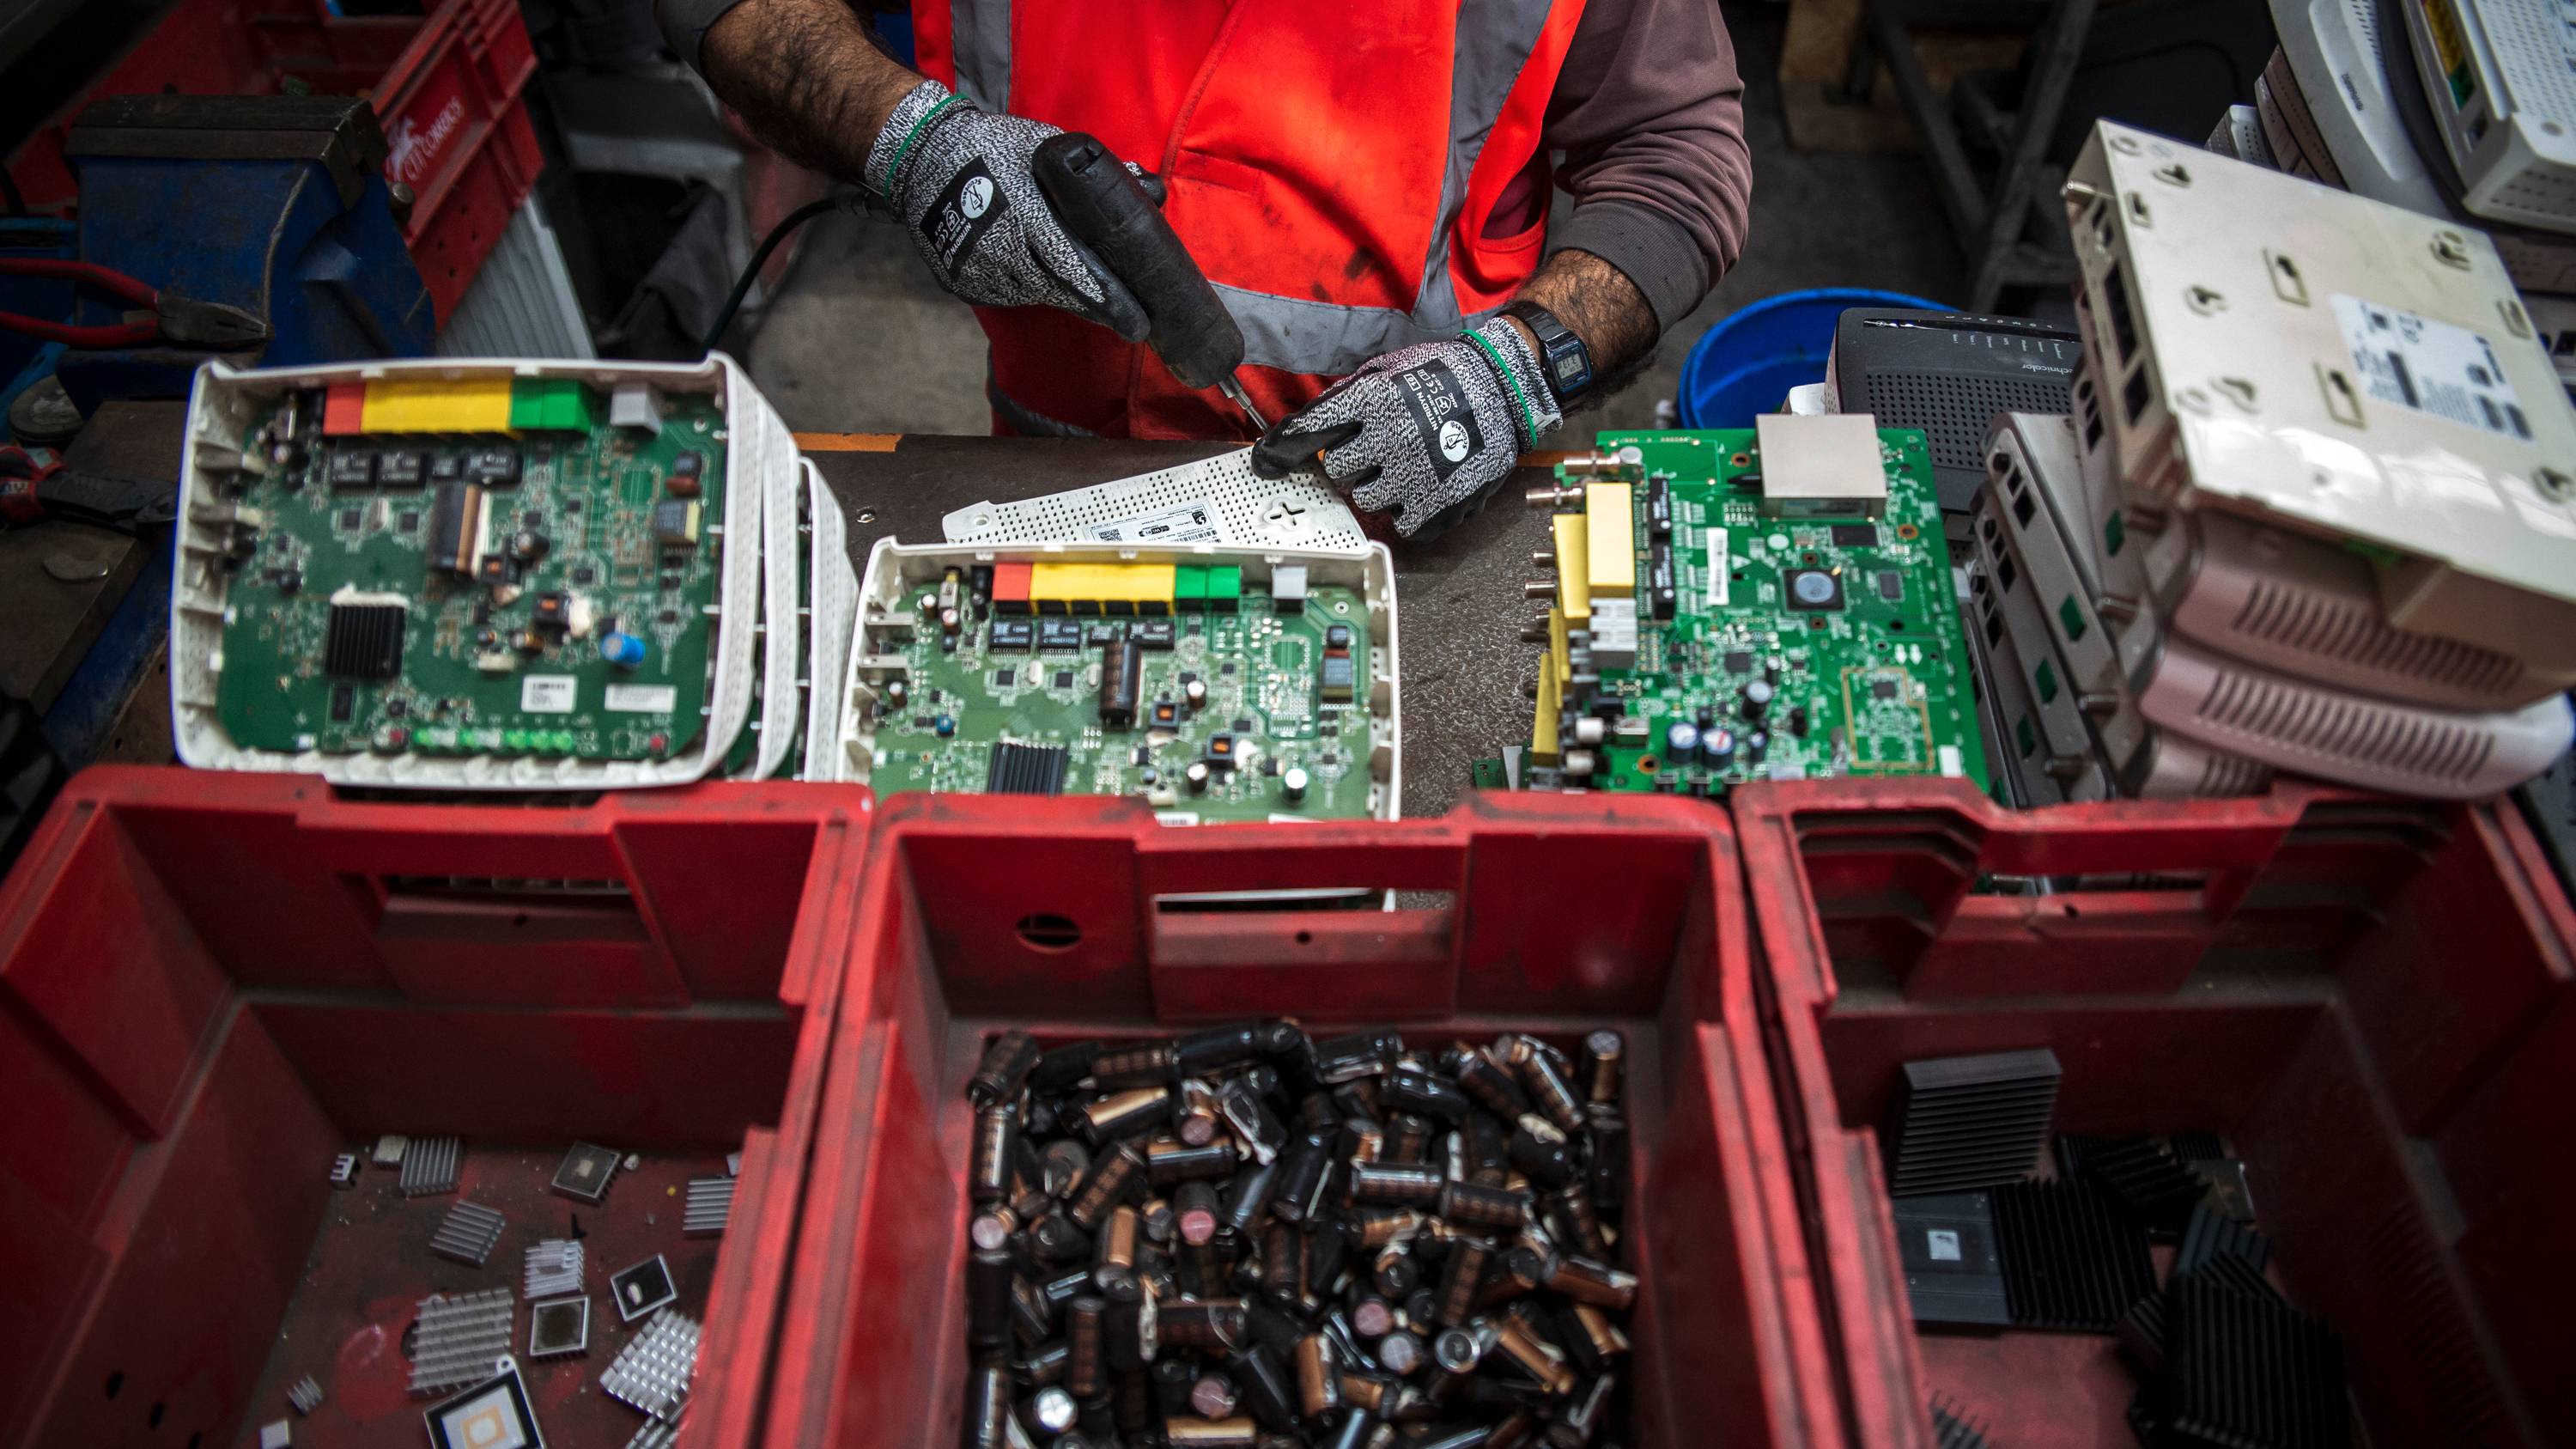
(1018, 769)
(2197, 1146)
(2072, 1260)
(2247, 1371)
(1952, 1429)
(2144, 1176)
(365, 641)
(2210, 1234)
(1971, 1122)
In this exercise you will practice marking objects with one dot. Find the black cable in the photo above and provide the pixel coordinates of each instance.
(759, 259)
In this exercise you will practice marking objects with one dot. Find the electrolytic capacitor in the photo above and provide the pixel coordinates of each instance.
(622, 649)
(1756, 745)
(1681, 743)
(1196, 777)
(1718, 748)
(1292, 784)
(1756, 699)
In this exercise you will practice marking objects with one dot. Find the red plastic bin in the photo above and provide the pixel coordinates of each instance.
(1555, 915)
(210, 984)
(447, 88)
(2370, 997)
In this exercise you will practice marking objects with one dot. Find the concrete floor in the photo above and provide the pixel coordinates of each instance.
(860, 340)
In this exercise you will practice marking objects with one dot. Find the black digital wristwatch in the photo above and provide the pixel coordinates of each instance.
(1564, 359)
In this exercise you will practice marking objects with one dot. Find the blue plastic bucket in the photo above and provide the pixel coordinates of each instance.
(1747, 363)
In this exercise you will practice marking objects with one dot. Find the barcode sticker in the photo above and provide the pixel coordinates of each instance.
(548, 693)
(1718, 566)
(2431, 367)
(1182, 523)
(643, 698)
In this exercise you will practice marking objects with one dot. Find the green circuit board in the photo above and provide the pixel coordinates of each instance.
(450, 594)
(1849, 622)
(1027, 717)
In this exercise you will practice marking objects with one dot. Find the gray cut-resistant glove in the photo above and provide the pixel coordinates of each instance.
(1423, 432)
(957, 176)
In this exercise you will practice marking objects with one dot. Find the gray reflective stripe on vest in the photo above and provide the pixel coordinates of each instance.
(1296, 334)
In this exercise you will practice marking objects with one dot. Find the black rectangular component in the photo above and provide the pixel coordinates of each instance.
(447, 468)
(455, 528)
(497, 467)
(1100, 634)
(351, 470)
(2072, 1261)
(344, 703)
(1013, 634)
(1659, 508)
(1739, 662)
(1017, 769)
(1122, 683)
(402, 468)
(1967, 1122)
(365, 641)
(1663, 588)
(1339, 680)
(1891, 585)
(1855, 535)
(1059, 633)
(1952, 1273)
(1154, 633)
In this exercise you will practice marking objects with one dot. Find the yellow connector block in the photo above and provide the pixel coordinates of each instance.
(471, 405)
(1543, 742)
(1613, 561)
(1560, 662)
(1105, 584)
(1573, 567)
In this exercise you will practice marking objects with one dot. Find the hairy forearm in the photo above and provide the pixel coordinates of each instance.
(805, 76)
(1598, 303)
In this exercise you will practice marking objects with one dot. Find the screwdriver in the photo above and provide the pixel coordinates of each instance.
(1103, 206)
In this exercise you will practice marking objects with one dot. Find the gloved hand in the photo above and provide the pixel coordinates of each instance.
(957, 176)
(1424, 432)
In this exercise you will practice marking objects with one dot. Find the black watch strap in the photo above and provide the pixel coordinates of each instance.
(1562, 355)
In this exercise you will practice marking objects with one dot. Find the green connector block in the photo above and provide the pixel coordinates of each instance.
(1189, 588)
(550, 404)
(1224, 587)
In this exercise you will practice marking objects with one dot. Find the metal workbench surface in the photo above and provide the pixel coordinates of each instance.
(1459, 602)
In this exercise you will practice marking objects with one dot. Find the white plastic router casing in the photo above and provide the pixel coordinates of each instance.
(2288, 602)
(2500, 77)
(2333, 50)
(2254, 337)
(760, 458)
(2035, 480)
(831, 614)
(2310, 729)
(2039, 775)
(897, 571)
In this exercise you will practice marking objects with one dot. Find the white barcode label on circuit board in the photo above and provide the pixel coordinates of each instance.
(548, 694)
(2432, 367)
(1717, 566)
(1184, 523)
(643, 698)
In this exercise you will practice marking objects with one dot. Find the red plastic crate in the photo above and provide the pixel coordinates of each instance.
(1556, 915)
(447, 88)
(212, 983)
(2371, 997)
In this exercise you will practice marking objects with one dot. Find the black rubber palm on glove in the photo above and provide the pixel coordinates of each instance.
(958, 178)
(1426, 432)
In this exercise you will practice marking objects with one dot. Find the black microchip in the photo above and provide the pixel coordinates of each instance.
(1891, 585)
(670, 616)
(1153, 633)
(1054, 634)
(1855, 535)
(1738, 662)
(1017, 769)
(1270, 764)
(688, 465)
(1105, 634)
(1243, 726)
(344, 703)
(533, 518)
(408, 520)
(923, 722)
(1013, 634)
(349, 517)
(1004, 678)
(584, 574)
(394, 709)
(493, 467)
(351, 470)
(1187, 676)
(402, 468)
(365, 641)
(1226, 668)
(447, 468)
(1883, 688)
(1338, 637)
(1811, 590)
(1064, 679)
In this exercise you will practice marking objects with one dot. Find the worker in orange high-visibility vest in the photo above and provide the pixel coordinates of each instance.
(1366, 185)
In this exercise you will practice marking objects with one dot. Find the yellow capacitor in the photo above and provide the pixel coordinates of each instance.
(1109, 585)
(1543, 745)
(1613, 531)
(1573, 575)
(1561, 662)
(437, 405)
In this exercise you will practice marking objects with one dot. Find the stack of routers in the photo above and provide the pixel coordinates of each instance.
(2314, 510)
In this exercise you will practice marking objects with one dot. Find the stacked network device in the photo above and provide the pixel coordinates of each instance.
(2314, 509)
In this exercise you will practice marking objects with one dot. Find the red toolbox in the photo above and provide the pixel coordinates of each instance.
(2369, 997)
(211, 984)
(447, 87)
(1549, 914)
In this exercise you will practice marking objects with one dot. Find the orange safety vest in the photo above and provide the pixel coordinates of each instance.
(1338, 173)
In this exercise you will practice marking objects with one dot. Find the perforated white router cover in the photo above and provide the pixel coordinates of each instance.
(1216, 500)
(833, 611)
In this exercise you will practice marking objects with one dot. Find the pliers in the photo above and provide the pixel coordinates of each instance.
(159, 316)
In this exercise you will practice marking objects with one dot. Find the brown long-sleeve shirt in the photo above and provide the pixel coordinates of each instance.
(1649, 114)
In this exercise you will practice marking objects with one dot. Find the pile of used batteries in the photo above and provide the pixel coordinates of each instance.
(1248, 1237)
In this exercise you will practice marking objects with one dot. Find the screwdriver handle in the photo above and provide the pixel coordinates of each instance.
(1103, 206)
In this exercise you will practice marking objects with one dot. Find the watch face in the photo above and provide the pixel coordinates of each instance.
(1569, 370)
